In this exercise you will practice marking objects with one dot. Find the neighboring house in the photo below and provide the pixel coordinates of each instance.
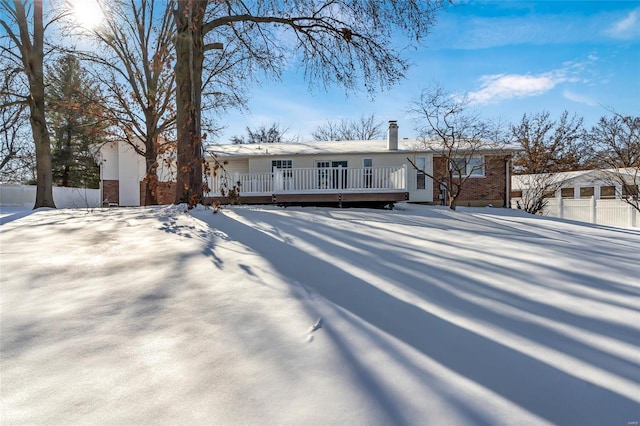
(374, 171)
(122, 176)
(344, 172)
(594, 196)
(584, 184)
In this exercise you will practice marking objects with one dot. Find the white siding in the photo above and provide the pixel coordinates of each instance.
(384, 159)
(110, 165)
(420, 195)
(131, 172)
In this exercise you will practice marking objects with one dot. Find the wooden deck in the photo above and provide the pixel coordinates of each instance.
(338, 199)
(317, 186)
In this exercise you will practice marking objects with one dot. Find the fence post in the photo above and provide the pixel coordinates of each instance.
(631, 216)
(592, 205)
(560, 208)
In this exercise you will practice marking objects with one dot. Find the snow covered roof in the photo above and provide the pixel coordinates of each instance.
(566, 178)
(330, 147)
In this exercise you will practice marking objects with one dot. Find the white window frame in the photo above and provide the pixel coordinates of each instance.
(472, 173)
(419, 173)
(367, 172)
(281, 161)
(286, 175)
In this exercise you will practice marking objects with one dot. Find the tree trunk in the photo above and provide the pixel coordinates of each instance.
(34, 63)
(151, 159)
(189, 17)
(453, 202)
(67, 158)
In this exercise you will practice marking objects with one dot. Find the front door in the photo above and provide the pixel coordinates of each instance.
(329, 176)
(339, 180)
(324, 178)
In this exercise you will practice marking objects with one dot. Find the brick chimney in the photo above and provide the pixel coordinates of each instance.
(392, 136)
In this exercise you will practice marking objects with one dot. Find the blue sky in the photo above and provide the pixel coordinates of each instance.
(511, 57)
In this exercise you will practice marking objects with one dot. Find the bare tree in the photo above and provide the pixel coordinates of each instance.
(16, 152)
(23, 46)
(549, 146)
(535, 191)
(361, 129)
(616, 141)
(458, 137)
(336, 42)
(132, 56)
(17, 156)
(263, 134)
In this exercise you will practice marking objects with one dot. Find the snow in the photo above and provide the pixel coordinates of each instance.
(334, 147)
(266, 315)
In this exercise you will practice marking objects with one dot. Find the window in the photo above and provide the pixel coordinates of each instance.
(324, 178)
(285, 181)
(630, 191)
(339, 179)
(607, 192)
(329, 176)
(473, 166)
(367, 163)
(587, 192)
(281, 164)
(421, 164)
(567, 192)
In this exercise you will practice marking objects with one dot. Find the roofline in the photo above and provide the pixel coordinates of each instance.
(210, 150)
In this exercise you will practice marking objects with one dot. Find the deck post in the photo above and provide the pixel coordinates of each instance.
(276, 180)
(405, 177)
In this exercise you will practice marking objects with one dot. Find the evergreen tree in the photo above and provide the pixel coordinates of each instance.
(76, 122)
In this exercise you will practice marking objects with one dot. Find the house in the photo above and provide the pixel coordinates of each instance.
(122, 175)
(584, 184)
(364, 172)
(604, 197)
(336, 172)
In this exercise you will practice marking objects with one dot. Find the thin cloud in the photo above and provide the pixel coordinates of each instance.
(499, 87)
(627, 27)
(577, 97)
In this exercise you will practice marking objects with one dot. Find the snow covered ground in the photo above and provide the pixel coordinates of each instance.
(265, 315)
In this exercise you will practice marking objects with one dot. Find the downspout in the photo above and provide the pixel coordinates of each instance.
(101, 164)
(507, 192)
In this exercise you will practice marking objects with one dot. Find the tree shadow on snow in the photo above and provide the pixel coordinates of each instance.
(537, 387)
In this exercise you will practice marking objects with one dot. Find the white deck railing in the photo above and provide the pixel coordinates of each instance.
(315, 180)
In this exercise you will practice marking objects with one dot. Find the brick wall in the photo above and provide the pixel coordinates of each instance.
(111, 191)
(165, 192)
(480, 191)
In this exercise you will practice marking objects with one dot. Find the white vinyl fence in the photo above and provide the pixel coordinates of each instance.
(25, 196)
(602, 212)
